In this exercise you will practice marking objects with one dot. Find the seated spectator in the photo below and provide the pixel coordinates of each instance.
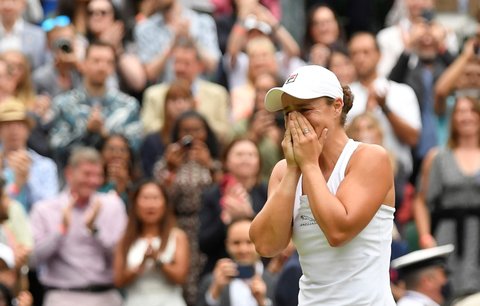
(62, 73)
(242, 276)
(239, 194)
(152, 259)
(76, 10)
(190, 165)
(104, 24)
(156, 36)
(9, 281)
(211, 99)
(449, 197)
(178, 99)
(264, 128)
(75, 234)
(119, 165)
(30, 177)
(86, 115)
(18, 34)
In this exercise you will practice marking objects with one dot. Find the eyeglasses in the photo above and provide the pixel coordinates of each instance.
(51, 23)
(101, 13)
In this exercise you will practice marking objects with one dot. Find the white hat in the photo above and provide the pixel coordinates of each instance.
(6, 254)
(436, 256)
(307, 82)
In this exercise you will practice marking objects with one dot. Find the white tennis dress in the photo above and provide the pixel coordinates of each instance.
(354, 274)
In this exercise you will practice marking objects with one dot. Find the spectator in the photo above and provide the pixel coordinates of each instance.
(62, 73)
(178, 99)
(75, 233)
(425, 273)
(156, 36)
(190, 164)
(287, 287)
(211, 99)
(395, 105)
(419, 66)
(449, 196)
(151, 261)
(461, 78)
(392, 40)
(87, 115)
(18, 34)
(242, 276)
(20, 70)
(264, 128)
(322, 31)
(239, 194)
(104, 24)
(340, 63)
(30, 176)
(119, 165)
(76, 10)
(260, 57)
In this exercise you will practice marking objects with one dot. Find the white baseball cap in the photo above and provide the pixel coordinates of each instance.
(306, 82)
(423, 258)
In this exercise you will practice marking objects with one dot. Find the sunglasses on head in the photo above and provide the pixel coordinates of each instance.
(51, 23)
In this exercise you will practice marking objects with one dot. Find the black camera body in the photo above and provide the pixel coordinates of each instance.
(64, 45)
(186, 141)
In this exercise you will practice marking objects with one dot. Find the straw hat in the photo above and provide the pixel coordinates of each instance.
(13, 109)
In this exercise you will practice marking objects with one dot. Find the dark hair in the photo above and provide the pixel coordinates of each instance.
(211, 142)
(230, 146)
(237, 220)
(116, 16)
(308, 40)
(99, 44)
(365, 33)
(6, 295)
(132, 157)
(187, 43)
(179, 88)
(336, 49)
(134, 226)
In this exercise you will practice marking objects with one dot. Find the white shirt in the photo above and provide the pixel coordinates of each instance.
(413, 298)
(11, 40)
(402, 101)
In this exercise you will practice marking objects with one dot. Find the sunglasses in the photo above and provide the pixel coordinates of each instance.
(101, 13)
(51, 23)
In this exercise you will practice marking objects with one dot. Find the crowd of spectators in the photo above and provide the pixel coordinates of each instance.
(135, 148)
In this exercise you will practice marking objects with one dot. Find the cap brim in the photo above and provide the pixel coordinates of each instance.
(273, 98)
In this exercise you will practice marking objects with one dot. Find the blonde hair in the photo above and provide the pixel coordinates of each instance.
(352, 128)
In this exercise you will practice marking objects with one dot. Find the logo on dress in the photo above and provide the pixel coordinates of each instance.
(306, 221)
(291, 78)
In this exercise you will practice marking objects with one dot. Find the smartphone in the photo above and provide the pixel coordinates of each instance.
(186, 141)
(245, 271)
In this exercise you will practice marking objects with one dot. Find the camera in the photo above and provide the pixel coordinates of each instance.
(64, 45)
(245, 271)
(428, 15)
(186, 141)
